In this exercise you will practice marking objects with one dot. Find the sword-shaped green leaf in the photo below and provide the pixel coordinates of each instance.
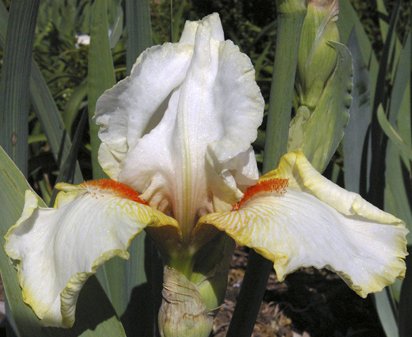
(398, 189)
(14, 85)
(355, 139)
(139, 29)
(385, 311)
(100, 72)
(394, 136)
(405, 304)
(44, 105)
(348, 22)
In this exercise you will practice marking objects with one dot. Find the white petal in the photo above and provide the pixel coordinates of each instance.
(303, 176)
(294, 229)
(190, 29)
(184, 135)
(56, 250)
(134, 106)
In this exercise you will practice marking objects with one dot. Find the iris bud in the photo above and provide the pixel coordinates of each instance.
(317, 57)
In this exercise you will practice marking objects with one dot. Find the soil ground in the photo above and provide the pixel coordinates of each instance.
(309, 303)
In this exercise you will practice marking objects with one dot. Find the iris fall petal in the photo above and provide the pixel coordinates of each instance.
(313, 222)
(57, 249)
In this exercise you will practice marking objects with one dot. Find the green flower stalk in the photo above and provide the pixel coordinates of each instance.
(176, 141)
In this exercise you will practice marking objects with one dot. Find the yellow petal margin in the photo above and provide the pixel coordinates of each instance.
(57, 249)
(313, 222)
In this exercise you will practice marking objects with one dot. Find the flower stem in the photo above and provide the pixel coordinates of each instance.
(183, 263)
(289, 24)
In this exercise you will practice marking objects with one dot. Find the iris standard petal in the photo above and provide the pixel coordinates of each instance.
(180, 129)
(57, 249)
(190, 29)
(135, 105)
(313, 222)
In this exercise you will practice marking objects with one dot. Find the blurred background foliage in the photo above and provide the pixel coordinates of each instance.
(63, 61)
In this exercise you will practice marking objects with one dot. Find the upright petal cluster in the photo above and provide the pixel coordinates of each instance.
(179, 129)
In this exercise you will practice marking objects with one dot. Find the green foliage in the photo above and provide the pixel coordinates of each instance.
(377, 147)
(100, 74)
(14, 87)
(139, 30)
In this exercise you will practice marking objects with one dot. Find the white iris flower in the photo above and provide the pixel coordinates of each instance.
(176, 142)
